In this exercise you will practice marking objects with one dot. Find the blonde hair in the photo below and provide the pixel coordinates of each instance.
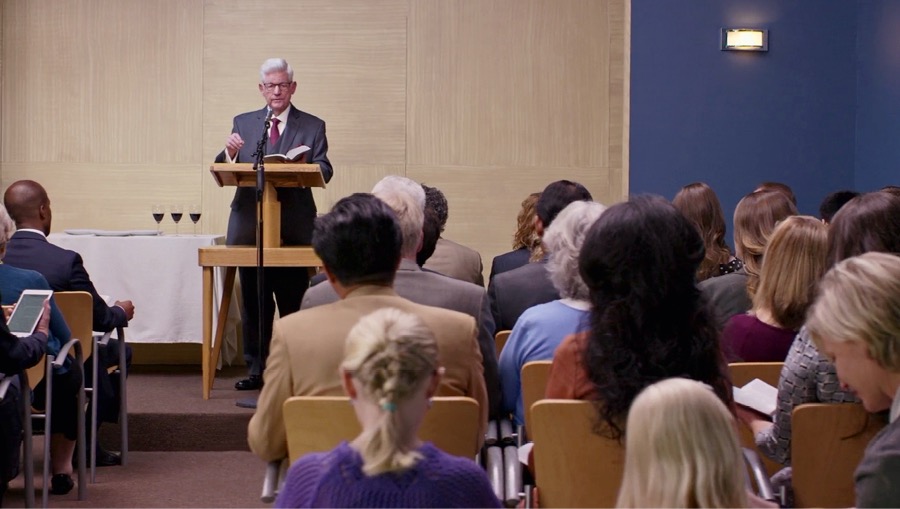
(681, 449)
(791, 269)
(390, 353)
(699, 203)
(859, 300)
(755, 218)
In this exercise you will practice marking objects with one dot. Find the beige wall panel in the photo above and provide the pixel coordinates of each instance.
(353, 179)
(102, 81)
(110, 196)
(483, 203)
(509, 82)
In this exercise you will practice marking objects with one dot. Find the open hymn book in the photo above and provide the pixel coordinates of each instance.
(757, 395)
(294, 155)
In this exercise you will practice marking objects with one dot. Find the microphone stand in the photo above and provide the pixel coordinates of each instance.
(260, 167)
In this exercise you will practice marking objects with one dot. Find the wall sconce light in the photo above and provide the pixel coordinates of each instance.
(745, 39)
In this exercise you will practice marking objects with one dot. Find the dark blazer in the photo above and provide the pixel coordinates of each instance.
(298, 210)
(509, 261)
(514, 291)
(65, 272)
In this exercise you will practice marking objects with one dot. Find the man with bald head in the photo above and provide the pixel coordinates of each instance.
(29, 206)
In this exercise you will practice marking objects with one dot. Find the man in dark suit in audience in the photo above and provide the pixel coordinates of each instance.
(514, 291)
(29, 206)
(407, 199)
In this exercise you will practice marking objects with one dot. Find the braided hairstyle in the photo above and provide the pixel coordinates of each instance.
(390, 353)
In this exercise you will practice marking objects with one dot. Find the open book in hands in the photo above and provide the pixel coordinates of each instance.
(294, 155)
(757, 395)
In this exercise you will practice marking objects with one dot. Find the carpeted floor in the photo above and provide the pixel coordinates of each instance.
(184, 451)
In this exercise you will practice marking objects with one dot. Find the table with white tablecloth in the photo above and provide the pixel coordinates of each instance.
(159, 274)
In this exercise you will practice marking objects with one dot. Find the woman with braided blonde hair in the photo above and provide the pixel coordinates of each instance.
(390, 372)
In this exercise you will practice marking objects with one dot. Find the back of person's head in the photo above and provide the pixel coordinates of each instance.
(833, 203)
(648, 318)
(778, 187)
(275, 65)
(556, 196)
(869, 222)
(755, 218)
(859, 301)
(23, 200)
(391, 354)
(525, 235)
(407, 199)
(895, 190)
(681, 450)
(7, 229)
(563, 241)
(436, 201)
(699, 203)
(791, 270)
(359, 241)
(431, 232)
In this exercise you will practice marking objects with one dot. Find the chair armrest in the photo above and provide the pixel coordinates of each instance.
(764, 485)
(273, 480)
(494, 468)
(512, 469)
(64, 351)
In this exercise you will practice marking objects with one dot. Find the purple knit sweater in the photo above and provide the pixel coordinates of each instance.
(336, 479)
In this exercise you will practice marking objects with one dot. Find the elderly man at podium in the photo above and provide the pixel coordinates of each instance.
(290, 128)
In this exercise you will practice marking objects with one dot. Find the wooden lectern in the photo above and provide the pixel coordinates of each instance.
(277, 175)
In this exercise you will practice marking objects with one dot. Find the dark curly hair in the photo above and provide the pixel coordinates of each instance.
(649, 321)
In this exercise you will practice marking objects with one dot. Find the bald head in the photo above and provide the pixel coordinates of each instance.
(28, 205)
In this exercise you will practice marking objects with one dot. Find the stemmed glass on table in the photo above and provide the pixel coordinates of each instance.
(158, 214)
(177, 212)
(195, 212)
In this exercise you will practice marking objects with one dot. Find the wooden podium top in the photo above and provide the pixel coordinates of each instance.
(279, 175)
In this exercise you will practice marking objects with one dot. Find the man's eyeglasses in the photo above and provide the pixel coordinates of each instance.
(272, 86)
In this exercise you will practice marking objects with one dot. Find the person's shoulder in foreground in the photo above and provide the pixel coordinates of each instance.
(336, 479)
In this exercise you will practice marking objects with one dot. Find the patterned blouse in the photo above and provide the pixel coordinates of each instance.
(807, 377)
(733, 266)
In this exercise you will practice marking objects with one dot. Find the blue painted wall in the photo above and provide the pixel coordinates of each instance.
(734, 119)
(878, 113)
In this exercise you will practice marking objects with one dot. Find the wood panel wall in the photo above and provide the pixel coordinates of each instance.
(115, 105)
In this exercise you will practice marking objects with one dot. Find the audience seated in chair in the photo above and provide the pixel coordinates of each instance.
(29, 206)
(16, 355)
(541, 328)
(755, 218)
(407, 199)
(516, 290)
(869, 222)
(451, 258)
(682, 450)
(526, 242)
(699, 203)
(390, 371)
(648, 319)
(793, 264)
(856, 322)
(66, 380)
(359, 243)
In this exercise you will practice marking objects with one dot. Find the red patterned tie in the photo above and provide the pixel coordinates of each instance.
(274, 134)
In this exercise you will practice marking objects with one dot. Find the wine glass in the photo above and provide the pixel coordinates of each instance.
(177, 211)
(158, 215)
(195, 212)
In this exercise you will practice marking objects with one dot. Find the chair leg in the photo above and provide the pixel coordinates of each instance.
(123, 395)
(48, 420)
(28, 446)
(95, 367)
(80, 445)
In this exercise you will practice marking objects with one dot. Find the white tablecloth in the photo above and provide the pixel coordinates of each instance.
(160, 275)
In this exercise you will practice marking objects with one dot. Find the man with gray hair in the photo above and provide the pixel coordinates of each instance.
(407, 199)
(290, 128)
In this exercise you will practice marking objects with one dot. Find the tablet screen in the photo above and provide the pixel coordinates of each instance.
(27, 313)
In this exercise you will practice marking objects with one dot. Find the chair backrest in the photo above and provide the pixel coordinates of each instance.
(500, 340)
(573, 466)
(741, 374)
(320, 423)
(77, 309)
(534, 386)
(827, 444)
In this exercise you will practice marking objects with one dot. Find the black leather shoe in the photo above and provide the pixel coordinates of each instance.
(107, 459)
(251, 383)
(60, 484)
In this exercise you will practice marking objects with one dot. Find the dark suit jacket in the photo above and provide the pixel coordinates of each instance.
(509, 261)
(298, 210)
(65, 272)
(514, 291)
